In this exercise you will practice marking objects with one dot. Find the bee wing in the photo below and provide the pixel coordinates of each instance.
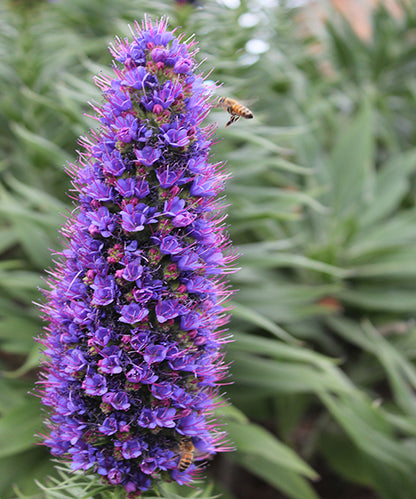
(202, 455)
(249, 102)
(245, 102)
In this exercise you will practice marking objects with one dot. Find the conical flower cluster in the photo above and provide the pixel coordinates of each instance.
(137, 299)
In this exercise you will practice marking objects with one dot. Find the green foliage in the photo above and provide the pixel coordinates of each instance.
(322, 211)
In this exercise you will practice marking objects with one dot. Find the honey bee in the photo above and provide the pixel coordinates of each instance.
(236, 110)
(186, 452)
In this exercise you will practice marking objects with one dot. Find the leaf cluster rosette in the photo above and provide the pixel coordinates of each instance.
(137, 300)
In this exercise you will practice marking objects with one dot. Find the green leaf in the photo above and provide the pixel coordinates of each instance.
(351, 162)
(286, 377)
(8, 239)
(170, 491)
(390, 187)
(22, 423)
(400, 371)
(16, 333)
(12, 394)
(256, 441)
(250, 315)
(296, 302)
(262, 141)
(35, 242)
(282, 164)
(231, 413)
(22, 470)
(380, 298)
(39, 146)
(395, 233)
(291, 260)
(344, 53)
(290, 483)
(352, 332)
(280, 198)
(369, 430)
(399, 264)
(257, 344)
(345, 458)
(36, 197)
(31, 362)
(20, 284)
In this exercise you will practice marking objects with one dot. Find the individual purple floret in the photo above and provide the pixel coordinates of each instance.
(139, 295)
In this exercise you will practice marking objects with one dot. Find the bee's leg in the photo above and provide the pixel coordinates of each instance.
(232, 120)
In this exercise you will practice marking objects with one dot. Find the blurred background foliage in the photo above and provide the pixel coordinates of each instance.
(322, 211)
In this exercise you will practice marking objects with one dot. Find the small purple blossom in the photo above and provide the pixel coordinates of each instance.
(130, 314)
(148, 155)
(102, 336)
(94, 385)
(101, 222)
(135, 217)
(203, 186)
(135, 78)
(142, 189)
(164, 97)
(126, 187)
(99, 191)
(159, 54)
(109, 426)
(133, 270)
(175, 135)
(132, 449)
(126, 128)
(183, 65)
(169, 245)
(113, 163)
(104, 290)
(74, 361)
(168, 309)
(162, 390)
(118, 400)
(141, 374)
(111, 363)
(114, 476)
(168, 178)
(154, 353)
(134, 310)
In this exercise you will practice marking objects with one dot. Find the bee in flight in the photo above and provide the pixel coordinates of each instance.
(186, 452)
(236, 110)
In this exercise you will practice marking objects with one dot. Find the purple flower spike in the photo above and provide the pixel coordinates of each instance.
(137, 301)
